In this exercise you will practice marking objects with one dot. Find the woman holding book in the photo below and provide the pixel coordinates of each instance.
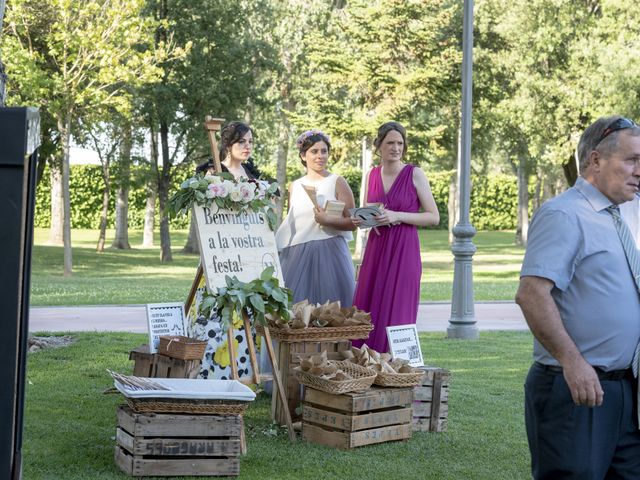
(312, 240)
(389, 280)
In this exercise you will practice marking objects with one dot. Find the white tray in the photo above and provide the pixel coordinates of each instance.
(192, 388)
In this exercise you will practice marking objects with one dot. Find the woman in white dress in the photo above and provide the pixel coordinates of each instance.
(314, 254)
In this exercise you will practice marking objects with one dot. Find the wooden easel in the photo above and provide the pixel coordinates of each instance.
(212, 125)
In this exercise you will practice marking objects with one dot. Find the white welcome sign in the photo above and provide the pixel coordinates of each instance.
(235, 244)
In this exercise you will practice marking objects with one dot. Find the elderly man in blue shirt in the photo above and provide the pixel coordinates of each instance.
(581, 301)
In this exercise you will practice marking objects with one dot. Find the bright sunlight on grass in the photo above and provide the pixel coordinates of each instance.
(70, 423)
(137, 276)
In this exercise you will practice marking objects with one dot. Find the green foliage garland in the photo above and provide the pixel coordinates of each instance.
(262, 296)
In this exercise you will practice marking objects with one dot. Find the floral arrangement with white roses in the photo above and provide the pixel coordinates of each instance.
(224, 191)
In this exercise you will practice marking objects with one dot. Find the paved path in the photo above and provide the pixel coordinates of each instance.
(432, 317)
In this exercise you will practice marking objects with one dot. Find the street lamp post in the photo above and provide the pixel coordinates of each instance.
(462, 323)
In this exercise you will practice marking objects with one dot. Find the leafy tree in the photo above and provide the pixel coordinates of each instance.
(529, 47)
(105, 139)
(383, 60)
(78, 55)
(216, 76)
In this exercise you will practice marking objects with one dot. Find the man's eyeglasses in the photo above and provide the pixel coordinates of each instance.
(619, 124)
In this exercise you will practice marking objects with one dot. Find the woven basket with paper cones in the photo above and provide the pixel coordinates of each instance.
(321, 323)
(389, 372)
(333, 377)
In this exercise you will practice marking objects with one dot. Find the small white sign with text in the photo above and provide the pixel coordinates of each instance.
(164, 319)
(404, 343)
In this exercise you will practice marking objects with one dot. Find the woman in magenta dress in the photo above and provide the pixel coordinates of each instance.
(388, 285)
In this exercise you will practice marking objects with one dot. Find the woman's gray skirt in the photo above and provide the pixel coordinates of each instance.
(319, 270)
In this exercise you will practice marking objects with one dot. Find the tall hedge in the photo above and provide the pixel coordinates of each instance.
(494, 199)
(86, 199)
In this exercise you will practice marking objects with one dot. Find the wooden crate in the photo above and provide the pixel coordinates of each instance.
(156, 444)
(161, 366)
(143, 361)
(169, 367)
(289, 355)
(357, 419)
(431, 401)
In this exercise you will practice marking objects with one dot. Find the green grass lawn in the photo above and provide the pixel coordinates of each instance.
(137, 276)
(70, 424)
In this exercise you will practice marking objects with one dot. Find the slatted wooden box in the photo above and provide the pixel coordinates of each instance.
(155, 444)
(156, 365)
(357, 419)
(431, 401)
(289, 357)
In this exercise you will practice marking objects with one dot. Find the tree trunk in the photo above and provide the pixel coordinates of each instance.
(523, 202)
(106, 176)
(538, 191)
(249, 108)
(57, 213)
(163, 194)
(547, 189)
(453, 205)
(191, 246)
(281, 169)
(283, 132)
(150, 214)
(192, 240)
(366, 161)
(282, 153)
(152, 192)
(121, 239)
(41, 165)
(165, 237)
(65, 137)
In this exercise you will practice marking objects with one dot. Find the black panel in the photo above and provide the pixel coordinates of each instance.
(19, 138)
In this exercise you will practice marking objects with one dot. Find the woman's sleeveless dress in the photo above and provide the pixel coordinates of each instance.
(316, 262)
(388, 285)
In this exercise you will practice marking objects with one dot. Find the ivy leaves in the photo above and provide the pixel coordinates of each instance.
(262, 296)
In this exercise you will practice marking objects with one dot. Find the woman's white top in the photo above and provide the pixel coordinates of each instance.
(300, 226)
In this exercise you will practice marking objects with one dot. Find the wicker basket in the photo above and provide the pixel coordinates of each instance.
(176, 405)
(184, 348)
(318, 334)
(410, 379)
(362, 379)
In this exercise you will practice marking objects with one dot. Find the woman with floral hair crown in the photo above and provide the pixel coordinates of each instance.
(316, 262)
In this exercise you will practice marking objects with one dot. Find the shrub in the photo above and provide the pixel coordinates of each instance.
(494, 199)
(86, 184)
